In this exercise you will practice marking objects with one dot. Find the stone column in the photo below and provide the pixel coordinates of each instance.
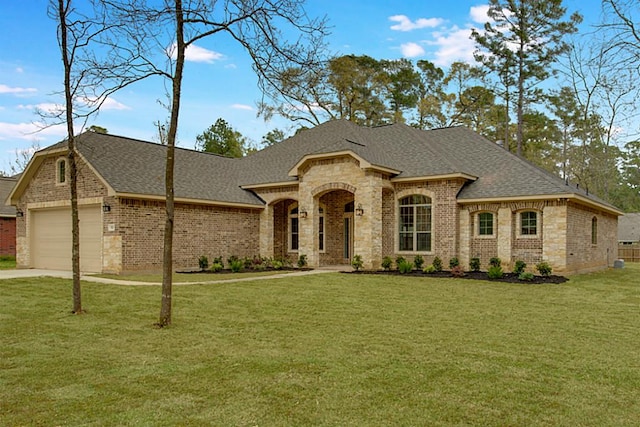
(367, 239)
(307, 227)
(465, 238)
(266, 232)
(505, 231)
(554, 237)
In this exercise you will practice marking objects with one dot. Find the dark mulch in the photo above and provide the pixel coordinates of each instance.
(473, 275)
(196, 270)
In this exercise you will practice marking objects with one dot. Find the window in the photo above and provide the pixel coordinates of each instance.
(321, 229)
(61, 171)
(415, 224)
(594, 231)
(293, 229)
(528, 223)
(485, 224)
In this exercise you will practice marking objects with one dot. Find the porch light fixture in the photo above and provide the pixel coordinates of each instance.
(19, 213)
(302, 213)
(359, 210)
(106, 208)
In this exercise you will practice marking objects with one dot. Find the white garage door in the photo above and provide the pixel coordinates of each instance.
(51, 238)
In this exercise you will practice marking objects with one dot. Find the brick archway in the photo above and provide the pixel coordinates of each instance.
(332, 186)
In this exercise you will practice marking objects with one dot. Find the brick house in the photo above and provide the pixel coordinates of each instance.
(329, 193)
(7, 219)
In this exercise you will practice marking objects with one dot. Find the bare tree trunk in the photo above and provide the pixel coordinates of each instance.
(73, 170)
(167, 266)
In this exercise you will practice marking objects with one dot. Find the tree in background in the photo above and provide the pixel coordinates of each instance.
(273, 137)
(221, 138)
(523, 40)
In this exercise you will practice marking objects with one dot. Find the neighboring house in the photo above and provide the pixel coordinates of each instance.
(629, 229)
(7, 219)
(330, 193)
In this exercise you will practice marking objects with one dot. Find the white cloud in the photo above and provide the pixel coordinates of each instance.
(478, 14)
(454, 45)
(45, 107)
(411, 50)
(29, 131)
(17, 90)
(112, 104)
(242, 107)
(196, 54)
(405, 24)
(20, 70)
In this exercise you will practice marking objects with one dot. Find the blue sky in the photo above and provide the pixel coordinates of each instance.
(219, 81)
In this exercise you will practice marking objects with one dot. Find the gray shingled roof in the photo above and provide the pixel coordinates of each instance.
(629, 227)
(6, 185)
(133, 166)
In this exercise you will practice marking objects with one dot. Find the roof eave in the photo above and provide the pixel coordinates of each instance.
(188, 200)
(269, 185)
(364, 164)
(457, 175)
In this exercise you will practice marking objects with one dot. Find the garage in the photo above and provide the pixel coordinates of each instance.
(51, 238)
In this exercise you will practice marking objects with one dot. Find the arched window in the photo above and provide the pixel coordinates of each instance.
(485, 224)
(61, 171)
(528, 223)
(594, 231)
(415, 223)
(294, 229)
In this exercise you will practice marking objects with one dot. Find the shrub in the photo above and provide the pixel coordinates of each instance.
(276, 264)
(357, 263)
(258, 263)
(526, 277)
(218, 260)
(418, 261)
(437, 264)
(429, 269)
(495, 272)
(495, 262)
(544, 268)
(399, 260)
(248, 262)
(259, 267)
(236, 265)
(519, 267)
(302, 261)
(405, 267)
(474, 264)
(231, 259)
(453, 262)
(457, 271)
(203, 262)
(387, 262)
(216, 267)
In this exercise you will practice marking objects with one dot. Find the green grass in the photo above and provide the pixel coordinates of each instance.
(7, 262)
(191, 277)
(331, 349)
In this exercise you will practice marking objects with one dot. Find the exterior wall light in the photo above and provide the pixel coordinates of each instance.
(106, 208)
(302, 213)
(19, 213)
(359, 210)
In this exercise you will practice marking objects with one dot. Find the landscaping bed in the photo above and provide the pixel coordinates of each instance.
(473, 275)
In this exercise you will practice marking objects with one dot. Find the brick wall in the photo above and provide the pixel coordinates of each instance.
(582, 255)
(7, 236)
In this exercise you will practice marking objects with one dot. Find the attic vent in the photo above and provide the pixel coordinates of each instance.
(353, 142)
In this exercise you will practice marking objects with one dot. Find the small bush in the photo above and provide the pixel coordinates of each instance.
(399, 260)
(203, 262)
(387, 262)
(302, 261)
(216, 267)
(525, 277)
(457, 271)
(248, 262)
(258, 263)
(429, 269)
(453, 262)
(405, 267)
(474, 264)
(437, 264)
(519, 266)
(276, 264)
(495, 272)
(495, 262)
(236, 265)
(357, 262)
(218, 260)
(418, 261)
(259, 267)
(544, 268)
(231, 259)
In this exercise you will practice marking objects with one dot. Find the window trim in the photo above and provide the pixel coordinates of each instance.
(62, 178)
(594, 231)
(519, 224)
(398, 232)
(290, 217)
(477, 233)
(322, 211)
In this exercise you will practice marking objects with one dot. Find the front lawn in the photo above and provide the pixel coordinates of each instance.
(330, 349)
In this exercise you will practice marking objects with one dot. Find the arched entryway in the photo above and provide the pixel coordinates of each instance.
(335, 227)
